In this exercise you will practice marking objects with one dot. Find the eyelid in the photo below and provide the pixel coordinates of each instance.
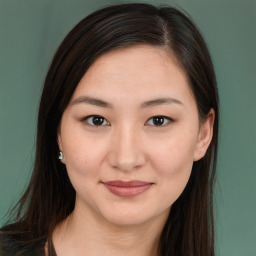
(170, 120)
(87, 117)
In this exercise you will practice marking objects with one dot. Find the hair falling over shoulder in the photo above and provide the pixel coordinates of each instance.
(50, 197)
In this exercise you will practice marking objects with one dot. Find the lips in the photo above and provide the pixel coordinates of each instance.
(127, 188)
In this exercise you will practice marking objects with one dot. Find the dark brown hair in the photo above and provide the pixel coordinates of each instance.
(50, 197)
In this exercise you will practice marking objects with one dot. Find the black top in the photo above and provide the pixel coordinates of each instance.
(10, 245)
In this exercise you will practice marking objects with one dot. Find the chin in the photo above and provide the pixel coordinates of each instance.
(137, 217)
(127, 221)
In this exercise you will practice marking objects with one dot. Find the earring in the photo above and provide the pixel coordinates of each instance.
(61, 155)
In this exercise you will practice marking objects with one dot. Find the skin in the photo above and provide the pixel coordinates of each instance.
(128, 146)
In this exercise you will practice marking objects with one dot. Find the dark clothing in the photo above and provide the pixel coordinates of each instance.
(11, 245)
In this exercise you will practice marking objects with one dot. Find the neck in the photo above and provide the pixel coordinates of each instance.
(91, 235)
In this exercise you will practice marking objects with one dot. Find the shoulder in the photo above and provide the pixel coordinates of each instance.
(11, 244)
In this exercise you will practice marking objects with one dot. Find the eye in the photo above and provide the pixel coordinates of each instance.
(159, 121)
(96, 120)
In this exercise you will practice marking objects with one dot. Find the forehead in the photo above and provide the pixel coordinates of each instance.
(135, 72)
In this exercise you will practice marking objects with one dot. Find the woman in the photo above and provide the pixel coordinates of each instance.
(126, 144)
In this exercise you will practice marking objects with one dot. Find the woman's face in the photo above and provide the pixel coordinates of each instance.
(130, 135)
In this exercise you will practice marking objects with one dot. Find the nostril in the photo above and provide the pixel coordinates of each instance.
(125, 163)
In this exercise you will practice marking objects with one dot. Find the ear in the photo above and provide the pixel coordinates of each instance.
(59, 140)
(204, 136)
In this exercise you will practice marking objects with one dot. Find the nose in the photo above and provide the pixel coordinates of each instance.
(126, 150)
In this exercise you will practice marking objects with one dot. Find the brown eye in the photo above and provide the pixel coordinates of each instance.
(96, 120)
(159, 120)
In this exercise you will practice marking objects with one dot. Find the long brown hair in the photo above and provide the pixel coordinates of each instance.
(50, 197)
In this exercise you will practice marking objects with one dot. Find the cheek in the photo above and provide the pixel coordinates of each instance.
(173, 168)
(82, 154)
(83, 165)
(173, 163)
(173, 152)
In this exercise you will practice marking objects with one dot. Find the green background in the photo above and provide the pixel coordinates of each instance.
(31, 30)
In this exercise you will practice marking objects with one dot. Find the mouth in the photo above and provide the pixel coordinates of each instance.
(127, 188)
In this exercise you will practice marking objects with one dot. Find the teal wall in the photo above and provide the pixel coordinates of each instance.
(31, 30)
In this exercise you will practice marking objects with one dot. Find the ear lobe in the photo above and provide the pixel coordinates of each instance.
(205, 136)
(59, 140)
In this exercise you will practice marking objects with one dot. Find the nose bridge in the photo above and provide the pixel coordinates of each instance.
(126, 150)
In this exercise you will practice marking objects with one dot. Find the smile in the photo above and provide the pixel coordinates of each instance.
(127, 189)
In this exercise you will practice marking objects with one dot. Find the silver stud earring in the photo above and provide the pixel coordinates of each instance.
(61, 155)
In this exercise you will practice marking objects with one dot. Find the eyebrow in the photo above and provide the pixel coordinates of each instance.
(92, 101)
(160, 101)
(104, 104)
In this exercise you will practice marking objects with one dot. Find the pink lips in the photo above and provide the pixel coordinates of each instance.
(127, 189)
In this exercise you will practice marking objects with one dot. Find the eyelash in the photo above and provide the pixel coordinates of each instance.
(166, 121)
